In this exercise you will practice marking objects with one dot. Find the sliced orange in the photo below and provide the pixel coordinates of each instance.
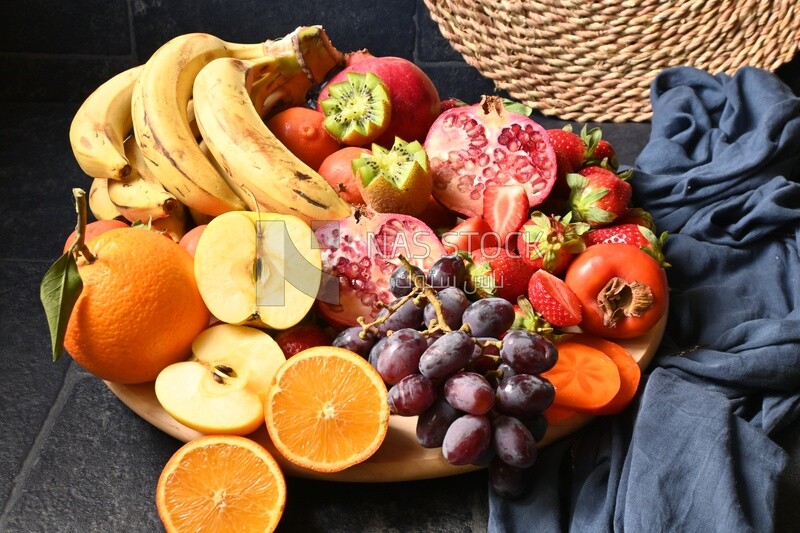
(327, 409)
(221, 483)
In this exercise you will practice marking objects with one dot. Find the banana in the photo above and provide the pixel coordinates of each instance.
(100, 204)
(176, 224)
(161, 123)
(100, 126)
(139, 196)
(254, 160)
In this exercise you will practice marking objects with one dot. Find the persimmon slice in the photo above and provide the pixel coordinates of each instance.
(584, 377)
(327, 409)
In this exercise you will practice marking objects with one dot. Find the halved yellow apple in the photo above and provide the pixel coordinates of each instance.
(222, 388)
(259, 269)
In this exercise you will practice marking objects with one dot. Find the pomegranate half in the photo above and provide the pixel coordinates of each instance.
(471, 148)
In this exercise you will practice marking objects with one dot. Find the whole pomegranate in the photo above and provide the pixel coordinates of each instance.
(358, 257)
(471, 148)
(414, 97)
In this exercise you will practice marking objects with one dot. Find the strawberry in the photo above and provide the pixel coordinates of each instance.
(550, 242)
(301, 336)
(554, 300)
(527, 318)
(632, 234)
(469, 235)
(637, 215)
(603, 155)
(505, 208)
(499, 272)
(599, 195)
(569, 145)
(570, 152)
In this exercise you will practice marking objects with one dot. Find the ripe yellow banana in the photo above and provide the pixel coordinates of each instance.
(254, 160)
(100, 126)
(162, 126)
(100, 204)
(139, 196)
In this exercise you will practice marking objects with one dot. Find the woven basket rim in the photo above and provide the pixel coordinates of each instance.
(595, 61)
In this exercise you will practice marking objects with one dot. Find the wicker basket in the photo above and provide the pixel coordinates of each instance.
(586, 60)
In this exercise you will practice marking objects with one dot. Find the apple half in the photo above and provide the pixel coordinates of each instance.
(258, 269)
(222, 388)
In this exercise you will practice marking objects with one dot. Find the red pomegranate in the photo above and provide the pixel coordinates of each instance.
(471, 148)
(358, 257)
(415, 100)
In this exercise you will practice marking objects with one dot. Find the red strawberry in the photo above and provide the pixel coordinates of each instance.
(568, 145)
(632, 234)
(556, 302)
(526, 317)
(550, 242)
(498, 272)
(598, 195)
(637, 215)
(570, 152)
(505, 208)
(604, 155)
(298, 338)
(469, 235)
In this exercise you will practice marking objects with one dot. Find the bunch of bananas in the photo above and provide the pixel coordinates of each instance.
(182, 138)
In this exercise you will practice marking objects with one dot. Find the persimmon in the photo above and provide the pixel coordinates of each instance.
(584, 377)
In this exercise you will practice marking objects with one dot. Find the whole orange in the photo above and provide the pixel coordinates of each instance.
(300, 129)
(139, 309)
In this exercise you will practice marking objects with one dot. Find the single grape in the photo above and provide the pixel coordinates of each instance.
(513, 442)
(412, 395)
(537, 425)
(375, 351)
(408, 315)
(447, 355)
(524, 395)
(501, 372)
(453, 303)
(469, 392)
(351, 339)
(400, 354)
(489, 317)
(448, 271)
(506, 480)
(466, 439)
(433, 423)
(528, 352)
(486, 457)
(401, 282)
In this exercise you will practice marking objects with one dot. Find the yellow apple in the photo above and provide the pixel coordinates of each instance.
(222, 388)
(258, 269)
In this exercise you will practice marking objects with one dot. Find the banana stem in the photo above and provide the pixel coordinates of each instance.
(80, 227)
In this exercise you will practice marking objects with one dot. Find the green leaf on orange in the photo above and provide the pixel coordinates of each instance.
(59, 290)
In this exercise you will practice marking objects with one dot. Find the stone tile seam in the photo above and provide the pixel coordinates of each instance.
(71, 377)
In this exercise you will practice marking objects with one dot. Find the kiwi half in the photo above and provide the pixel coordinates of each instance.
(397, 180)
(357, 110)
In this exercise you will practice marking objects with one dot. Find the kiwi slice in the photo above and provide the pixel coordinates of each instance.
(396, 180)
(357, 110)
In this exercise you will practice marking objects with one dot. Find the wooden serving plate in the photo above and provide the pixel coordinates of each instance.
(400, 457)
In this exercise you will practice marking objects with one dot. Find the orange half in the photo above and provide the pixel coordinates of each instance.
(221, 483)
(327, 409)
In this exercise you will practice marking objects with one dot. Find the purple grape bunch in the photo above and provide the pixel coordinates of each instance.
(453, 361)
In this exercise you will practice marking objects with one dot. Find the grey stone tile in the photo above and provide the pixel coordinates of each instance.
(36, 179)
(98, 27)
(385, 28)
(431, 44)
(452, 504)
(56, 78)
(31, 381)
(97, 468)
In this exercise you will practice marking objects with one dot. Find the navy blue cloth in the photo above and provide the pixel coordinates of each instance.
(694, 451)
